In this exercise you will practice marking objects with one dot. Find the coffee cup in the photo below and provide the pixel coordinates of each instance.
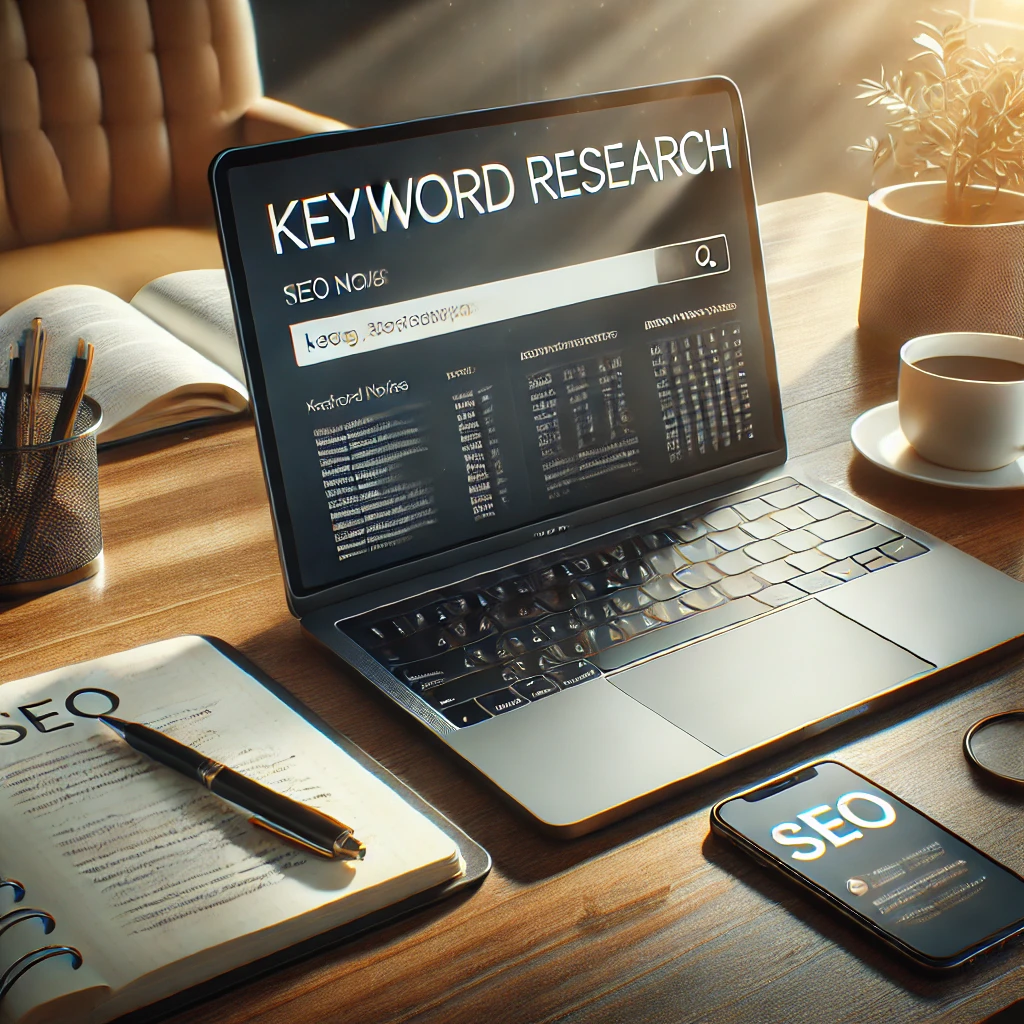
(961, 399)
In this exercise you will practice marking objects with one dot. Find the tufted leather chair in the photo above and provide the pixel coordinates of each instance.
(110, 112)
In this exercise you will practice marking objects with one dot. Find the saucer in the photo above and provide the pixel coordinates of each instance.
(877, 436)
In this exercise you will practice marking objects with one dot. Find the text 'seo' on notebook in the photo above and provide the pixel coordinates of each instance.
(155, 884)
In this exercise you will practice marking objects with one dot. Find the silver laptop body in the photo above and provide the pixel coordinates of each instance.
(516, 399)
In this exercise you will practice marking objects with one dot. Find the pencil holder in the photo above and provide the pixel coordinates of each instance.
(49, 504)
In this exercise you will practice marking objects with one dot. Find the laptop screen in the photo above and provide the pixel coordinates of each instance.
(461, 328)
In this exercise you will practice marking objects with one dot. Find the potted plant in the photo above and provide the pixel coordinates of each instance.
(944, 250)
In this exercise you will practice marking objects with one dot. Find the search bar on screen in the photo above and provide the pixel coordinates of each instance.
(379, 327)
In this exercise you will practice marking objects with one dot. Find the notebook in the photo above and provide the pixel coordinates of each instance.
(146, 883)
(166, 359)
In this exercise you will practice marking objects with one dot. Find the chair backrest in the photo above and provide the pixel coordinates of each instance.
(111, 110)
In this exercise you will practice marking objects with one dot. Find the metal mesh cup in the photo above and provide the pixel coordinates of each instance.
(50, 504)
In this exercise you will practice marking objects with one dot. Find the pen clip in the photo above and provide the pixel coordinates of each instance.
(291, 837)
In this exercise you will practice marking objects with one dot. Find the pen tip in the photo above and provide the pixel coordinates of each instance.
(350, 847)
(111, 723)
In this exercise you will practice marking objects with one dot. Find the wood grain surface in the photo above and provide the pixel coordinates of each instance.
(650, 919)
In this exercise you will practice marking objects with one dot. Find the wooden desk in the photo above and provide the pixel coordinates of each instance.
(649, 920)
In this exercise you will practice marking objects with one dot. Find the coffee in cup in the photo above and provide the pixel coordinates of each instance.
(961, 399)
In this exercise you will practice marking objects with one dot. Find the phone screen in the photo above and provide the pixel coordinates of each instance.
(907, 875)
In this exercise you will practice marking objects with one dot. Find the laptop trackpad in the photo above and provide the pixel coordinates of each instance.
(769, 677)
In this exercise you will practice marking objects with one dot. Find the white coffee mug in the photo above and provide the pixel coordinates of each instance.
(974, 425)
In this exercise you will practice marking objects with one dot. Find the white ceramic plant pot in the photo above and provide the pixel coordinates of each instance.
(923, 276)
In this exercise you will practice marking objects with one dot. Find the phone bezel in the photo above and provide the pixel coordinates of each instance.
(722, 828)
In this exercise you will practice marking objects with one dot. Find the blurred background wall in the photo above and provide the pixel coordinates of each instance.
(796, 62)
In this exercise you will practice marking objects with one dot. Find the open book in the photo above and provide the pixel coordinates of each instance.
(169, 357)
(157, 884)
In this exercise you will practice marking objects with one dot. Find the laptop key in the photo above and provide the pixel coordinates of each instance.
(762, 529)
(789, 496)
(766, 551)
(844, 547)
(559, 627)
(597, 613)
(845, 570)
(815, 581)
(463, 604)
(780, 594)
(739, 586)
(630, 573)
(562, 598)
(821, 508)
(466, 714)
(663, 588)
(509, 590)
(580, 646)
(435, 614)
(665, 561)
(702, 600)
(603, 637)
(798, 540)
(533, 663)
(838, 526)
(501, 701)
(722, 519)
(467, 687)
(732, 563)
(658, 539)
(601, 584)
(808, 561)
(699, 551)
(536, 688)
(573, 675)
(472, 628)
(879, 563)
(637, 622)
(687, 533)
(439, 669)
(632, 599)
(730, 540)
(515, 613)
(658, 640)
(776, 572)
(669, 611)
(902, 549)
(753, 509)
(793, 518)
(868, 556)
(699, 575)
(417, 647)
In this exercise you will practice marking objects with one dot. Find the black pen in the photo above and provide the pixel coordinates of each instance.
(309, 828)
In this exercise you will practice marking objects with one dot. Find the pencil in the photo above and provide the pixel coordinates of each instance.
(34, 369)
(11, 436)
(74, 392)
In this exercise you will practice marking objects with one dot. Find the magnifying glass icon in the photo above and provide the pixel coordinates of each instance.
(703, 257)
(995, 746)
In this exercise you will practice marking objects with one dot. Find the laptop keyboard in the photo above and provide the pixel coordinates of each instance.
(529, 635)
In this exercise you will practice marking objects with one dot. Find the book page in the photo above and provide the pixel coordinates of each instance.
(144, 868)
(137, 362)
(194, 305)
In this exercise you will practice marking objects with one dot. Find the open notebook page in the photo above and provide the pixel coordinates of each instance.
(159, 884)
(137, 362)
(194, 305)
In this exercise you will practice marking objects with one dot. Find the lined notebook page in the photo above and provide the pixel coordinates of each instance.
(143, 868)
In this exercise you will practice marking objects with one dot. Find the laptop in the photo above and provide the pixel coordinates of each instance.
(516, 398)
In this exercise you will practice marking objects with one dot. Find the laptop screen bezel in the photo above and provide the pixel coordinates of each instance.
(302, 599)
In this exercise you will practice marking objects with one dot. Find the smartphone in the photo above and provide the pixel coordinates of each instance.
(912, 883)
